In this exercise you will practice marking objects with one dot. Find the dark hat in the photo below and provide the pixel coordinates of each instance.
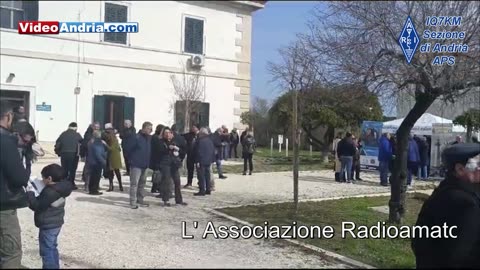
(72, 124)
(459, 153)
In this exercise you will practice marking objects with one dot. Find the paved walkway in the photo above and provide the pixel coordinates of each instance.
(102, 231)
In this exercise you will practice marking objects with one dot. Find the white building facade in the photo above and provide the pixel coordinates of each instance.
(111, 77)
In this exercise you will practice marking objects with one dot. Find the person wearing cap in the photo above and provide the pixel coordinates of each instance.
(455, 202)
(114, 161)
(67, 147)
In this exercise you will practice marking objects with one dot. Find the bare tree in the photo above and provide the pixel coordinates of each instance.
(189, 88)
(295, 73)
(358, 41)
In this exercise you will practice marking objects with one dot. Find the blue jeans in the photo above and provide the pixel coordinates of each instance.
(219, 167)
(226, 151)
(204, 178)
(412, 168)
(383, 167)
(48, 248)
(422, 172)
(347, 162)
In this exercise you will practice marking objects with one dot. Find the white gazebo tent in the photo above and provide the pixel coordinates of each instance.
(423, 126)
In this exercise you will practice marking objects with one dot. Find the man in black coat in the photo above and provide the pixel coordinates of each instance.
(345, 152)
(456, 202)
(67, 147)
(191, 139)
(128, 137)
(204, 156)
(217, 142)
(423, 151)
(13, 179)
(234, 141)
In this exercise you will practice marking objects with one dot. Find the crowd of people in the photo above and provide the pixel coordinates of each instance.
(347, 158)
(163, 153)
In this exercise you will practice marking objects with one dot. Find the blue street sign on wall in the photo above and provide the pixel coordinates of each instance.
(44, 108)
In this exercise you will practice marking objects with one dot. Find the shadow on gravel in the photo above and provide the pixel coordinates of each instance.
(68, 261)
(106, 200)
(331, 181)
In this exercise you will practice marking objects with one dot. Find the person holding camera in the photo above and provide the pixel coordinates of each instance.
(13, 179)
(169, 162)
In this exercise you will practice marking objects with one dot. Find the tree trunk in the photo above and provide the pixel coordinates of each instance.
(399, 175)
(295, 151)
(469, 134)
(328, 137)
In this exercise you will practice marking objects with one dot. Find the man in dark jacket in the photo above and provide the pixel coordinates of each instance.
(179, 142)
(22, 130)
(139, 157)
(13, 179)
(455, 202)
(49, 208)
(19, 114)
(191, 139)
(204, 151)
(67, 147)
(155, 160)
(128, 137)
(87, 138)
(97, 161)
(345, 151)
(384, 157)
(217, 142)
(413, 159)
(423, 149)
(234, 141)
(225, 136)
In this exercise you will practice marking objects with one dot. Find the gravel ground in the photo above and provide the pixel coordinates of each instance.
(102, 231)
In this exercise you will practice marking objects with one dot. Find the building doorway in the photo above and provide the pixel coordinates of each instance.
(17, 98)
(113, 109)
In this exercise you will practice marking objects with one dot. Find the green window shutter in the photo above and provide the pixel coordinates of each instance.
(116, 13)
(204, 115)
(198, 37)
(193, 40)
(30, 9)
(180, 114)
(99, 109)
(129, 109)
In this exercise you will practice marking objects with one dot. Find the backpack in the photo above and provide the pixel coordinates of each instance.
(250, 146)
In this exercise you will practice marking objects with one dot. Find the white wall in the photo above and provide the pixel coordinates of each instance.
(142, 70)
(152, 90)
